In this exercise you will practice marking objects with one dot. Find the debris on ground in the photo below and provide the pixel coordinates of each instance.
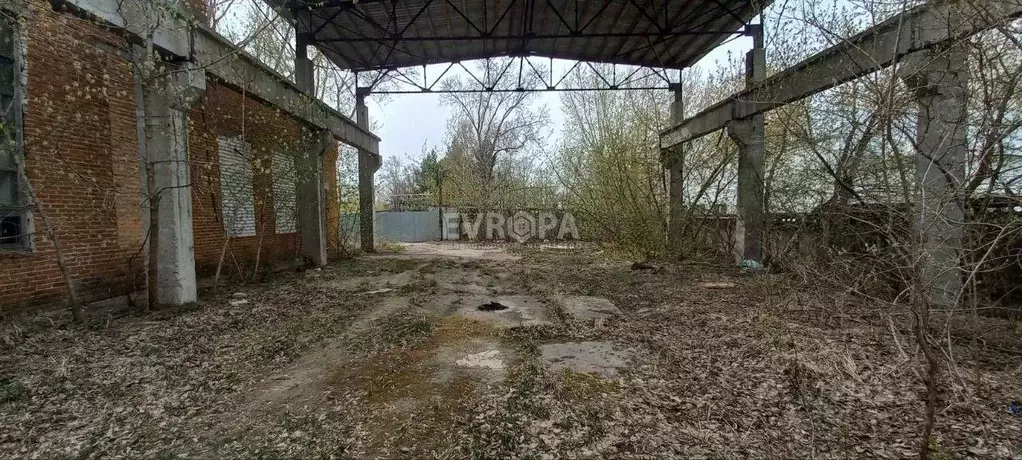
(376, 291)
(749, 266)
(716, 285)
(691, 362)
(492, 306)
(643, 266)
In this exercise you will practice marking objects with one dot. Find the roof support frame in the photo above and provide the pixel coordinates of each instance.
(385, 34)
(503, 80)
(665, 34)
(463, 16)
(652, 18)
(500, 18)
(595, 16)
(560, 16)
(730, 12)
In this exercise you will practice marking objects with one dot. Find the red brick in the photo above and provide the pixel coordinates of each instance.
(81, 155)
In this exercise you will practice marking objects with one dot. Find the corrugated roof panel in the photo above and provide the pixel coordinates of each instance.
(374, 34)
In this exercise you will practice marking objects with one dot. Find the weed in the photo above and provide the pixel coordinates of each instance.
(11, 391)
(390, 248)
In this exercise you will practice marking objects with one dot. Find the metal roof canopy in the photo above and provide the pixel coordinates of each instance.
(386, 34)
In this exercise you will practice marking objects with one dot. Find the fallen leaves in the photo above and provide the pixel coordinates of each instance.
(720, 369)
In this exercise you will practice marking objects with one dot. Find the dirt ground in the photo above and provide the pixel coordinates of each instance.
(576, 356)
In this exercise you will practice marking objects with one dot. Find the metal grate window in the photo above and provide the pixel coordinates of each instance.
(236, 197)
(13, 205)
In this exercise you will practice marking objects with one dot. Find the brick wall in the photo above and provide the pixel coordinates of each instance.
(225, 111)
(81, 158)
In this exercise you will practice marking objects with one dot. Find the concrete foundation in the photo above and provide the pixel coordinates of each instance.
(938, 80)
(601, 359)
(675, 163)
(748, 134)
(166, 100)
(368, 164)
(311, 204)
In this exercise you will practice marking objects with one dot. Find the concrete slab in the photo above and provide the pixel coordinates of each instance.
(489, 359)
(588, 308)
(600, 358)
(479, 357)
(464, 280)
(463, 251)
(522, 310)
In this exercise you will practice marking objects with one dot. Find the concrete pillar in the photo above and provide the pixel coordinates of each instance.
(166, 100)
(305, 73)
(368, 163)
(311, 220)
(748, 134)
(938, 79)
(675, 162)
(311, 199)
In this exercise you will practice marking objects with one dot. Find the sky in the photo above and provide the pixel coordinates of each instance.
(410, 122)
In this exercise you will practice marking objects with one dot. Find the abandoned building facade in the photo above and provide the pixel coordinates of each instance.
(78, 121)
(100, 138)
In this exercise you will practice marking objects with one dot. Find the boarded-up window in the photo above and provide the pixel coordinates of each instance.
(284, 193)
(237, 199)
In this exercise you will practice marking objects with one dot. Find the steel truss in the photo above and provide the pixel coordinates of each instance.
(389, 35)
(518, 74)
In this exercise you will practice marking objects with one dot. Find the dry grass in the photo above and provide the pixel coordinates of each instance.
(766, 369)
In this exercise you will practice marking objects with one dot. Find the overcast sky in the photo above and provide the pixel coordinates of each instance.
(410, 121)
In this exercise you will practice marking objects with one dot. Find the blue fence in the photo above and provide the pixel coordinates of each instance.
(395, 227)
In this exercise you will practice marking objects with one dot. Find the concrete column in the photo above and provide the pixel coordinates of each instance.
(368, 163)
(311, 220)
(748, 134)
(938, 79)
(311, 200)
(305, 73)
(675, 162)
(166, 100)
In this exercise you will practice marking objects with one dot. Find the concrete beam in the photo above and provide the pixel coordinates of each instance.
(172, 36)
(235, 67)
(179, 37)
(920, 28)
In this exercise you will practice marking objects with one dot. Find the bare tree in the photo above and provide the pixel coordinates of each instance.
(494, 133)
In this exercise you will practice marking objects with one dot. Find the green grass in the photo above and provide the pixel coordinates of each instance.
(11, 391)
